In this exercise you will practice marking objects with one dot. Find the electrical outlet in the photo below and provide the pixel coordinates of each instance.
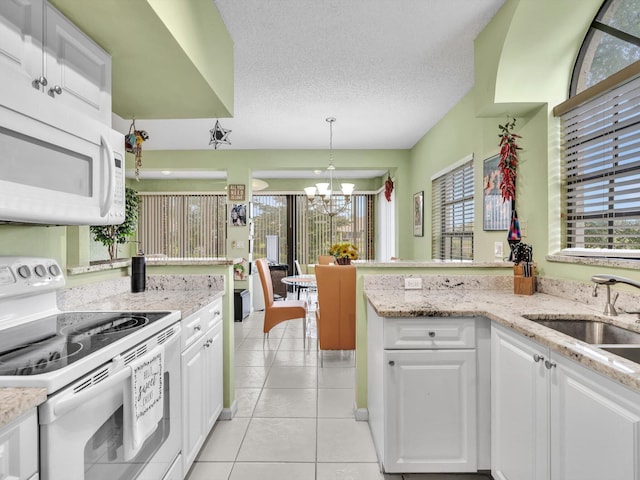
(498, 249)
(524, 228)
(412, 283)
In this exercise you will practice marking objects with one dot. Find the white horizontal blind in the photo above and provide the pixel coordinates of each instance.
(452, 214)
(183, 225)
(601, 172)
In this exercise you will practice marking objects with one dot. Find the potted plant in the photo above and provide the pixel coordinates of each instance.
(344, 252)
(111, 235)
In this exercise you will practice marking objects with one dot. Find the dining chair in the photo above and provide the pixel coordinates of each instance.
(326, 260)
(276, 312)
(336, 312)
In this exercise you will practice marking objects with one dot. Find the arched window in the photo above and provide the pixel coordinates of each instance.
(601, 138)
(612, 43)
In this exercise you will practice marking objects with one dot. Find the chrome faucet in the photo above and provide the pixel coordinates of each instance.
(608, 280)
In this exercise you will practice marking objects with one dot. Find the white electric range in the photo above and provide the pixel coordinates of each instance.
(84, 361)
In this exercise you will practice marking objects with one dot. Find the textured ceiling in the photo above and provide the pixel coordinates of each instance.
(388, 70)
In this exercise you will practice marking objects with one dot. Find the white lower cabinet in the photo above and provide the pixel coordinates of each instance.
(423, 393)
(175, 471)
(19, 448)
(553, 418)
(201, 380)
(430, 398)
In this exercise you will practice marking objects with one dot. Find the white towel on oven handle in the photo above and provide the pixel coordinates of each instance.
(143, 402)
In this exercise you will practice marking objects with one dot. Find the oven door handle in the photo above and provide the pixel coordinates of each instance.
(57, 407)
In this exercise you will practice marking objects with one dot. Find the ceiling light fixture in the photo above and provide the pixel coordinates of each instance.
(323, 195)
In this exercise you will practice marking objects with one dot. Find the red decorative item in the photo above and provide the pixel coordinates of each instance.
(508, 159)
(388, 188)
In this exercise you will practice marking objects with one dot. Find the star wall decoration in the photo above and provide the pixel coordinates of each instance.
(219, 135)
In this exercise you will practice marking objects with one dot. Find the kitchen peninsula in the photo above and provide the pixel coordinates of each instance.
(506, 373)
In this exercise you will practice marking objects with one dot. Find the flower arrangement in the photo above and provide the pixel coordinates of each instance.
(344, 250)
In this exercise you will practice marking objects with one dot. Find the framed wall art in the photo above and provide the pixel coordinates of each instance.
(418, 214)
(496, 213)
(236, 192)
(238, 215)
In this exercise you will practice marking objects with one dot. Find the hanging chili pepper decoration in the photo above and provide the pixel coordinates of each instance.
(508, 159)
(388, 188)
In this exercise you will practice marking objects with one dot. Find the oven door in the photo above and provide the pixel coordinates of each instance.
(82, 429)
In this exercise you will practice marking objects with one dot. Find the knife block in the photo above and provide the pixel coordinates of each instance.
(523, 285)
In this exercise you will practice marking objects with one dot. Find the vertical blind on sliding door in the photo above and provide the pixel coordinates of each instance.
(183, 225)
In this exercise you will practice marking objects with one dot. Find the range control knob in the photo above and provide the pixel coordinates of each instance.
(24, 271)
(41, 271)
(54, 270)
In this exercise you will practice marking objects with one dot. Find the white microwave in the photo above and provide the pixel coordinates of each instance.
(51, 176)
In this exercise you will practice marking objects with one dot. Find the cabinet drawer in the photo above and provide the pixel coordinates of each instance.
(417, 333)
(192, 329)
(213, 314)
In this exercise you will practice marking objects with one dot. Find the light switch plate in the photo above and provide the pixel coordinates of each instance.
(412, 283)
(498, 249)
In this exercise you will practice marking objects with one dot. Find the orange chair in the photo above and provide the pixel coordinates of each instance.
(326, 259)
(276, 312)
(336, 312)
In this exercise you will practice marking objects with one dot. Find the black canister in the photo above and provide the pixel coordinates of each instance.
(138, 274)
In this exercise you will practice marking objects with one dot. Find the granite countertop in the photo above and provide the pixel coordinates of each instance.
(508, 309)
(187, 301)
(431, 264)
(17, 401)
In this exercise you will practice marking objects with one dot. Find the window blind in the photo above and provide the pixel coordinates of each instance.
(601, 173)
(311, 230)
(452, 214)
(183, 225)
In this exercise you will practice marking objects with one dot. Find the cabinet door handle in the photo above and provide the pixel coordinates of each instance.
(537, 358)
(40, 81)
(549, 364)
(208, 343)
(432, 334)
(55, 90)
(197, 328)
(392, 363)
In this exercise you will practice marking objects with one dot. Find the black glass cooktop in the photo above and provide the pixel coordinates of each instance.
(59, 340)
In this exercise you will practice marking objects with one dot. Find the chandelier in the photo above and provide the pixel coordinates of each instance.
(323, 196)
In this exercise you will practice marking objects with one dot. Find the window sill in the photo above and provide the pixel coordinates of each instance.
(597, 261)
(99, 267)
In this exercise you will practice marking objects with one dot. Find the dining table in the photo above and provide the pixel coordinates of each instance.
(300, 282)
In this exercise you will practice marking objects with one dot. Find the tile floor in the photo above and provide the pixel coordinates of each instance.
(294, 420)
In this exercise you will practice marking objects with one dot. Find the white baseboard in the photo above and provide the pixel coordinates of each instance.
(229, 413)
(361, 414)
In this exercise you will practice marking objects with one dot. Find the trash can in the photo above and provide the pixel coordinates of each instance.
(241, 304)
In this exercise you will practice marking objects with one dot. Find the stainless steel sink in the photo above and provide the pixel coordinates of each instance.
(630, 352)
(592, 331)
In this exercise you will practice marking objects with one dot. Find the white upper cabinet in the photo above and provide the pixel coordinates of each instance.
(52, 69)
